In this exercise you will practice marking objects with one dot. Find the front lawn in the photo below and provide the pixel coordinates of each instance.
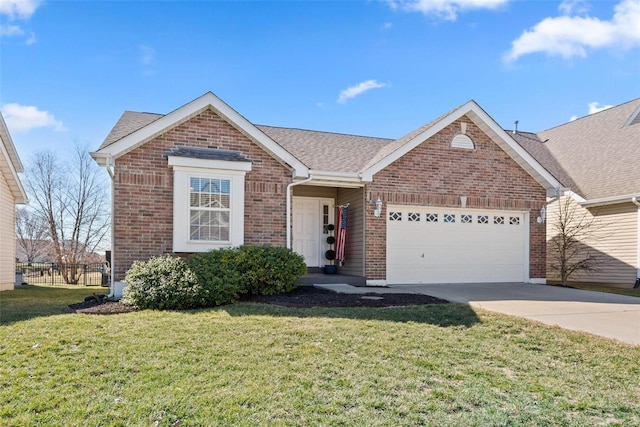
(255, 364)
(609, 289)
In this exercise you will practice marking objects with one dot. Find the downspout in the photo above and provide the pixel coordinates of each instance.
(111, 171)
(635, 201)
(293, 184)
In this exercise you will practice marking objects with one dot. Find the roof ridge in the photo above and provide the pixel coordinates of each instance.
(324, 132)
(591, 115)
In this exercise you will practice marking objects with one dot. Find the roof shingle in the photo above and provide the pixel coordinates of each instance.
(598, 152)
(596, 156)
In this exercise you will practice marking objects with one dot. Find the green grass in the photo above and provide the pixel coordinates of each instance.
(609, 289)
(253, 364)
(30, 301)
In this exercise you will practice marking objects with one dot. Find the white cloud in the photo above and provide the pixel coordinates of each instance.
(15, 10)
(444, 9)
(574, 7)
(359, 89)
(387, 26)
(569, 36)
(19, 9)
(23, 118)
(11, 30)
(594, 107)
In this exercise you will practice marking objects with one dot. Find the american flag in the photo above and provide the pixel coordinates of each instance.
(342, 233)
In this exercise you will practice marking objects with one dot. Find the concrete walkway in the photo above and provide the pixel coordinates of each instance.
(607, 315)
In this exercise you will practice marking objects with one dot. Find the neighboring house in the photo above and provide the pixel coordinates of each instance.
(458, 197)
(11, 194)
(596, 159)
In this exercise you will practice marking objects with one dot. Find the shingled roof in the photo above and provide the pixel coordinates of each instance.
(599, 153)
(325, 151)
(328, 151)
(129, 122)
(538, 149)
(595, 156)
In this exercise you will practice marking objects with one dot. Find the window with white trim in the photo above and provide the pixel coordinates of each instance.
(210, 209)
(208, 204)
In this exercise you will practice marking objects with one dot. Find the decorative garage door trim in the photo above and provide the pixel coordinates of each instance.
(452, 245)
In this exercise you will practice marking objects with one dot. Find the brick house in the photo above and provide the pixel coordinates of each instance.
(454, 201)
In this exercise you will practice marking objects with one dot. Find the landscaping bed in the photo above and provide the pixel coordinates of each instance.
(302, 296)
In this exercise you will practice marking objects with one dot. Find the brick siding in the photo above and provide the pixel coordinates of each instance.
(434, 174)
(143, 191)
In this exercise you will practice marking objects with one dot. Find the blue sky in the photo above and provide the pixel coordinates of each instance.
(68, 69)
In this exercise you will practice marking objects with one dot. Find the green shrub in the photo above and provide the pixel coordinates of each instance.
(211, 278)
(268, 270)
(164, 283)
(218, 276)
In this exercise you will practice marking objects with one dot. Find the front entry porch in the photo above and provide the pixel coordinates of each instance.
(313, 211)
(315, 276)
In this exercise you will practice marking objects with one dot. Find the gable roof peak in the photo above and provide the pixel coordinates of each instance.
(122, 144)
(485, 123)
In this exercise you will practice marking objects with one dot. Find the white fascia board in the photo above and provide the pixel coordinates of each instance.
(12, 153)
(608, 200)
(189, 162)
(548, 181)
(246, 127)
(335, 179)
(367, 174)
(198, 105)
(575, 196)
(526, 161)
(15, 185)
(100, 158)
(329, 175)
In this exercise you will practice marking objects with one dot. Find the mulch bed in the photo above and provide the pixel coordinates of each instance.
(310, 296)
(100, 307)
(303, 296)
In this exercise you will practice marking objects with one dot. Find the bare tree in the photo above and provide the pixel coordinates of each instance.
(31, 233)
(71, 197)
(575, 233)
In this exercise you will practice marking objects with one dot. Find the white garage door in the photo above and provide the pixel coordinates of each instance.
(438, 245)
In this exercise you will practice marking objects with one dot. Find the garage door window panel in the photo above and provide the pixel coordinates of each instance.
(395, 216)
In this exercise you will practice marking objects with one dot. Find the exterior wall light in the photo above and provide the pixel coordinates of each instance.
(378, 210)
(543, 215)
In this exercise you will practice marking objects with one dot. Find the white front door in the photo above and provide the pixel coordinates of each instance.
(310, 217)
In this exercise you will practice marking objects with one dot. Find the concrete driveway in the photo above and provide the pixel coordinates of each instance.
(607, 315)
